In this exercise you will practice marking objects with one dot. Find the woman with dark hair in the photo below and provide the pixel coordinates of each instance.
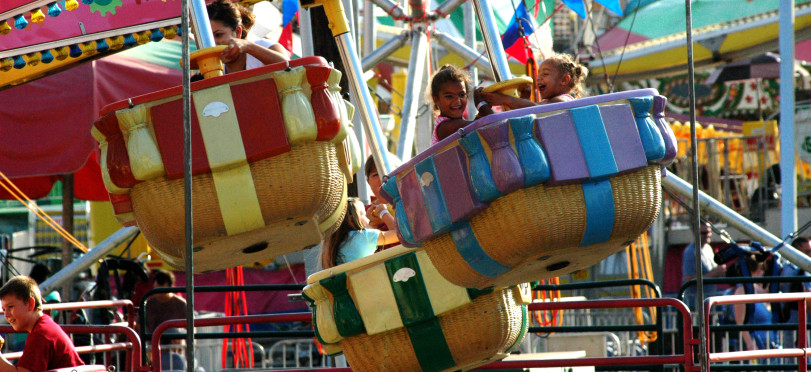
(230, 23)
(353, 239)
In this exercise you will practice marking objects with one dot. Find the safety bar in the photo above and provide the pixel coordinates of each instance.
(133, 346)
(103, 304)
(800, 352)
(227, 320)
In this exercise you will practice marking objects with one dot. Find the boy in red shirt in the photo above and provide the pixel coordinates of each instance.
(47, 346)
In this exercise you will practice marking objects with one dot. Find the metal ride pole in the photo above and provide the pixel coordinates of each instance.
(411, 100)
(357, 86)
(466, 52)
(377, 55)
(697, 211)
(756, 232)
(788, 177)
(92, 256)
(492, 40)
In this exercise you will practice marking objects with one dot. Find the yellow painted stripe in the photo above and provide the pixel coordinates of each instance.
(325, 319)
(444, 295)
(236, 192)
(375, 299)
(336, 214)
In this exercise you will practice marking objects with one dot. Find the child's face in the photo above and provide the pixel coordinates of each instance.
(19, 313)
(452, 99)
(551, 82)
(361, 210)
(374, 183)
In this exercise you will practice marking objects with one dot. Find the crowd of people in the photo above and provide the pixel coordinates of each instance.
(737, 262)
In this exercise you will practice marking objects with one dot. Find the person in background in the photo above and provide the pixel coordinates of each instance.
(708, 266)
(353, 239)
(789, 309)
(380, 214)
(230, 23)
(560, 79)
(47, 346)
(160, 308)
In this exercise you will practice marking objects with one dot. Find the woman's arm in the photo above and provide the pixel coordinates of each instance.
(267, 55)
(505, 100)
(740, 316)
(387, 237)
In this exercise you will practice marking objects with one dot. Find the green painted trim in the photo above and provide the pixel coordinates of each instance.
(523, 332)
(473, 292)
(430, 346)
(347, 318)
(410, 292)
(424, 330)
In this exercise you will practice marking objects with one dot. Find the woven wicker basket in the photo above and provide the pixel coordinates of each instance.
(536, 231)
(476, 334)
(297, 191)
(385, 321)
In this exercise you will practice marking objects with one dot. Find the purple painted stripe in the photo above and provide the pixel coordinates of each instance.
(410, 192)
(559, 138)
(659, 104)
(620, 125)
(504, 165)
(487, 120)
(451, 168)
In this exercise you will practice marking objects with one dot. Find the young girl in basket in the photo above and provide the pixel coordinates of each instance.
(353, 239)
(559, 79)
(449, 92)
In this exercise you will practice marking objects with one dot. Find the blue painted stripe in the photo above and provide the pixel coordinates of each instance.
(438, 213)
(599, 200)
(473, 253)
(588, 123)
(480, 174)
(403, 227)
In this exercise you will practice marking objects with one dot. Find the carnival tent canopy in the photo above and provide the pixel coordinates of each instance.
(45, 124)
(650, 41)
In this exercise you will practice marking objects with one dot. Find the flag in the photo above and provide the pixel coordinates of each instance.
(578, 7)
(289, 10)
(286, 38)
(520, 26)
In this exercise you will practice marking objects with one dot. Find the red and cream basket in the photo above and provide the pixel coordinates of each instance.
(272, 152)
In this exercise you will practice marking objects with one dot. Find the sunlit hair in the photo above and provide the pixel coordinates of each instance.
(231, 14)
(568, 66)
(447, 74)
(352, 221)
(23, 287)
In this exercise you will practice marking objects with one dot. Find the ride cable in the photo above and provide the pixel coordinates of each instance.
(28, 203)
(236, 305)
(637, 256)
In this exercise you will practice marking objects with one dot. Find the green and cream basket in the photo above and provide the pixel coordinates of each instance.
(393, 311)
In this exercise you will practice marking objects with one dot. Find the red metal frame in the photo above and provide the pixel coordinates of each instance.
(105, 304)
(685, 359)
(801, 351)
(133, 346)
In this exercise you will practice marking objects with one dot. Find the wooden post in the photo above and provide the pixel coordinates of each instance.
(67, 224)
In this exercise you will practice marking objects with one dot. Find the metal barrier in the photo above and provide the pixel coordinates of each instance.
(132, 347)
(228, 320)
(801, 352)
(725, 332)
(633, 362)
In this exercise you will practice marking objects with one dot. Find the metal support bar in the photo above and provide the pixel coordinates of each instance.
(468, 54)
(369, 29)
(393, 9)
(492, 40)
(751, 229)
(201, 25)
(788, 176)
(366, 108)
(445, 9)
(87, 259)
(377, 55)
(411, 101)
